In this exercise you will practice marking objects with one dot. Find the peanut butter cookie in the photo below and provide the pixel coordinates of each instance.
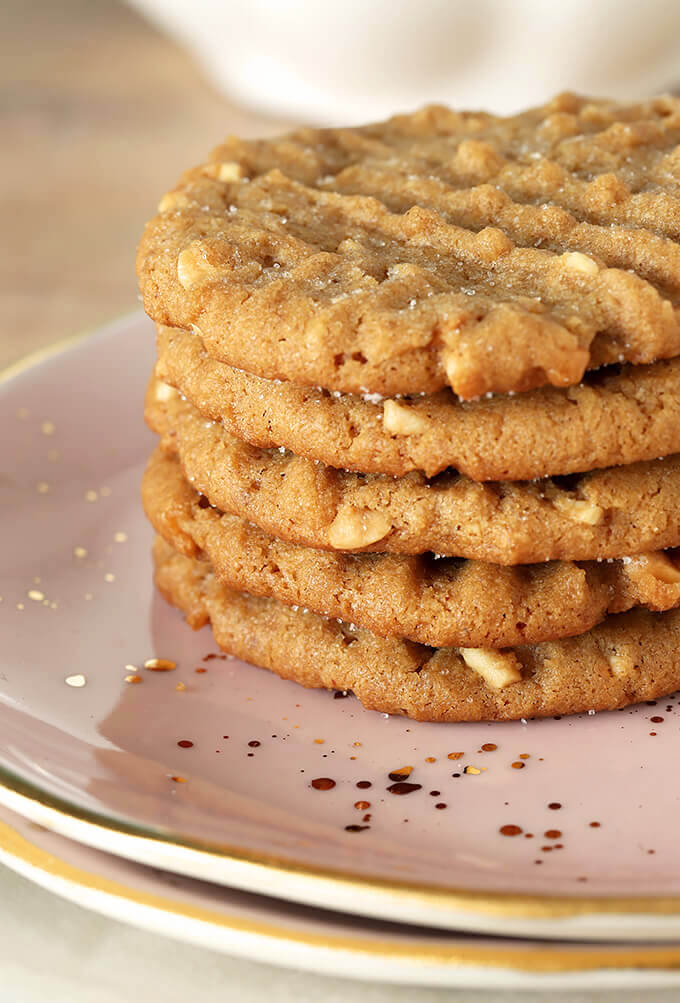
(434, 249)
(627, 658)
(438, 602)
(603, 514)
(616, 416)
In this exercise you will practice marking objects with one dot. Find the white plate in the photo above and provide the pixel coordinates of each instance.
(266, 929)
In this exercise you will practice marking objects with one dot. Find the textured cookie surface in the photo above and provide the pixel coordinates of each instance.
(438, 602)
(615, 417)
(627, 658)
(603, 514)
(434, 249)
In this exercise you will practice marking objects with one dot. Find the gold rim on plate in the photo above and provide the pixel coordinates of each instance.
(546, 960)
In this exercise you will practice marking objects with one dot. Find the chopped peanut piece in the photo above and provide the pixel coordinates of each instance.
(498, 669)
(230, 171)
(173, 201)
(621, 665)
(402, 420)
(355, 528)
(193, 267)
(227, 170)
(160, 664)
(579, 510)
(578, 262)
(452, 367)
(163, 391)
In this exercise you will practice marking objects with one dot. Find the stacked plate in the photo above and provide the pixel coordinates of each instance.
(187, 792)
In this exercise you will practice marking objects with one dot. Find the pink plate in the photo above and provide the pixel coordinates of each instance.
(214, 778)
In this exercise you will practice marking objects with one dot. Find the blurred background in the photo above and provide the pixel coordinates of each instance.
(100, 113)
(105, 103)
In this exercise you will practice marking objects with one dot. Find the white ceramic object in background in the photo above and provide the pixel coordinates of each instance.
(356, 61)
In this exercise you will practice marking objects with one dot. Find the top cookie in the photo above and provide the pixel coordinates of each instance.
(439, 248)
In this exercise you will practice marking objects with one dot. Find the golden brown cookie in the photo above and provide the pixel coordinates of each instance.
(617, 416)
(603, 514)
(435, 249)
(438, 602)
(627, 658)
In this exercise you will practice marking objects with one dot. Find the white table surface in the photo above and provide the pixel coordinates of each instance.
(55, 952)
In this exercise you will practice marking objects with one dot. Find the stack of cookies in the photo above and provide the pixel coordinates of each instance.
(418, 398)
